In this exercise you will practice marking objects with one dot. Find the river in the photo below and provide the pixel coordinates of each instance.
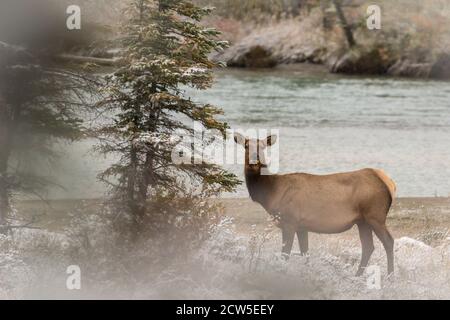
(327, 124)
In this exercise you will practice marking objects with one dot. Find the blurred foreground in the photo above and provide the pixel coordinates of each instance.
(240, 260)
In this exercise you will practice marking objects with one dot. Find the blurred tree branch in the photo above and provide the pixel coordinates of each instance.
(39, 105)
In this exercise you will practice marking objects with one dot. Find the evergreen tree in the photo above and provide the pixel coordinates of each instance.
(164, 49)
(39, 105)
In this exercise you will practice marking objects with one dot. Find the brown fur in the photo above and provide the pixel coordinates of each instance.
(322, 203)
(388, 181)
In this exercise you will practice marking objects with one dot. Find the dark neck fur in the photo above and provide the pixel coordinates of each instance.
(258, 185)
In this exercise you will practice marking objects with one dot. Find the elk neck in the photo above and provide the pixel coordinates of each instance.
(259, 186)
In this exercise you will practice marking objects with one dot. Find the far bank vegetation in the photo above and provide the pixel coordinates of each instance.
(414, 40)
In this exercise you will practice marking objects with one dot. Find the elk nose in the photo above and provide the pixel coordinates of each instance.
(254, 159)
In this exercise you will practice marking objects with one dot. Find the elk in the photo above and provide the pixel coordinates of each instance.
(325, 204)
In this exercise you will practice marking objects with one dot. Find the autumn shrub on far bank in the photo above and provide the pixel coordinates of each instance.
(256, 9)
(413, 41)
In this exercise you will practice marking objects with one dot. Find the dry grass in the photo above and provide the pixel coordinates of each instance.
(411, 217)
(240, 260)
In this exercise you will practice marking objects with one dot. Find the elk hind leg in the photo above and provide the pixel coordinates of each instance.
(388, 243)
(288, 235)
(365, 235)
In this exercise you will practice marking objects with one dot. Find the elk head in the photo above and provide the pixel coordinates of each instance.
(254, 151)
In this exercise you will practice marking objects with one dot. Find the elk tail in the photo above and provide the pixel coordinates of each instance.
(390, 184)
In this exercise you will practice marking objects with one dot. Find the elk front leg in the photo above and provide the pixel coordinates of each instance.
(288, 235)
(302, 236)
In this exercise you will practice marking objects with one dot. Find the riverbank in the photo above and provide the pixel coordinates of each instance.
(425, 219)
(240, 260)
(412, 43)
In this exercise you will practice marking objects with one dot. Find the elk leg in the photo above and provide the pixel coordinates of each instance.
(365, 235)
(302, 236)
(388, 242)
(288, 235)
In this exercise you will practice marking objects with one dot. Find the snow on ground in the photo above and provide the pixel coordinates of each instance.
(228, 266)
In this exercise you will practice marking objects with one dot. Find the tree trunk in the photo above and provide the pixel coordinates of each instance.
(147, 177)
(326, 20)
(344, 23)
(142, 178)
(5, 151)
(4, 206)
(131, 189)
(144, 185)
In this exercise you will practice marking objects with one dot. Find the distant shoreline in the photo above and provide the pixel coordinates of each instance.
(412, 217)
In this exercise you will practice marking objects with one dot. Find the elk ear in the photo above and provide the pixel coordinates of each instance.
(239, 139)
(271, 140)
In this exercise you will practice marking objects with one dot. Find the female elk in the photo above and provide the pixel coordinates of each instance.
(322, 203)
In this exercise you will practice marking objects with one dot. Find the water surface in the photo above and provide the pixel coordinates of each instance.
(327, 124)
(331, 123)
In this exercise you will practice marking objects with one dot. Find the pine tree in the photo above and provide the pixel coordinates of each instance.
(164, 49)
(39, 105)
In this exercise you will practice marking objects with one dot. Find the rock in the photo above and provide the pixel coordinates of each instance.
(441, 68)
(359, 61)
(406, 68)
(297, 57)
(412, 243)
(251, 57)
(446, 247)
(285, 42)
(314, 55)
(412, 254)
